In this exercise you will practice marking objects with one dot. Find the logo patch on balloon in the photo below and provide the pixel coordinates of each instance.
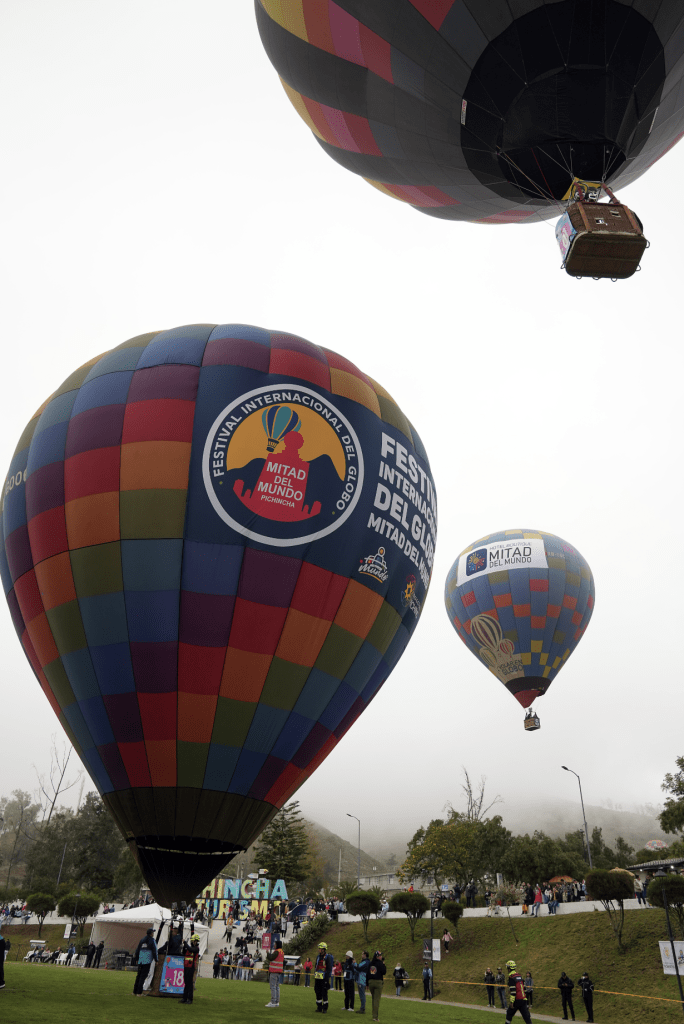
(409, 597)
(283, 465)
(375, 565)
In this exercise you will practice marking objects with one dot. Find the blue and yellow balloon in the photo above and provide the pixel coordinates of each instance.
(521, 600)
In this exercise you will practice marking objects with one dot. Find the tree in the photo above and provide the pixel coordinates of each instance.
(537, 858)
(413, 904)
(18, 829)
(40, 904)
(623, 852)
(457, 849)
(85, 905)
(453, 911)
(673, 887)
(283, 848)
(611, 888)
(54, 783)
(362, 904)
(672, 816)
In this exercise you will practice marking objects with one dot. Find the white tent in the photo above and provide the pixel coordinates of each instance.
(125, 928)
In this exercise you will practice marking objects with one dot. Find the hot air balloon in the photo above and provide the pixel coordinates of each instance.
(483, 110)
(208, 533)
(521, 600)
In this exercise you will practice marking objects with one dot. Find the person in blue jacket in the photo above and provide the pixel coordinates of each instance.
(145, 953)
(362, 970)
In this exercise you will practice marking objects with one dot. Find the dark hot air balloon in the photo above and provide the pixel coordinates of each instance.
(208, 534)
(521, 600)
(483, 110)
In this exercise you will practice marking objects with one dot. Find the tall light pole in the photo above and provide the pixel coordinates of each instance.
(663, 874)
(358, 864)
(584, 817)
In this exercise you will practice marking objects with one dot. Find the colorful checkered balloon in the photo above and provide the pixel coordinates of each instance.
(483, 110)
(217, 544)
(520, 600)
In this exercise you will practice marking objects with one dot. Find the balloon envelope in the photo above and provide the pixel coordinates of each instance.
(483, 110)
(210, 593)
(520, 600)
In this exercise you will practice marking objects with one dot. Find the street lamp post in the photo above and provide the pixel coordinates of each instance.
(78, 896)
(663, 874)
(358, 863)
(584, 817)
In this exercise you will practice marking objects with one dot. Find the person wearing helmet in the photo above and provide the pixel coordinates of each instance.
(516, 995)
(322, 974)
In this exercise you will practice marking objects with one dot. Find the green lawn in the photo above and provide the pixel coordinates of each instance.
(36, 994)
(572, 943)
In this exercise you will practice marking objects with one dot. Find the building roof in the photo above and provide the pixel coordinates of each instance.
(673, 862)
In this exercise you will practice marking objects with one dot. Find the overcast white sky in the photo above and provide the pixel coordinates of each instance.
(154, 174)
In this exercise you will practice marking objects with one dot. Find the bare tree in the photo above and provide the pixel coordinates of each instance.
(474, 798)
(54, 783)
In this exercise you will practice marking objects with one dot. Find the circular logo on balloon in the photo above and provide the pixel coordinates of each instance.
(282, 465)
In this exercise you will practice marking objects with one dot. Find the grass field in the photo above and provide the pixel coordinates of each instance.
(547, 946)
(37, 994)
(572, 943)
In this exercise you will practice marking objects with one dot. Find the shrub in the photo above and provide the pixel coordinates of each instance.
(413, 904)
(611, 888)
(310, 934)
(363, 903)
(673, 886)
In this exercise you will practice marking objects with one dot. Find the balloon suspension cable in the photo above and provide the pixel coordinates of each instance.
(537, 187)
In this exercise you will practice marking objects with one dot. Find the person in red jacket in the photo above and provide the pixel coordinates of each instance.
(517, 1003)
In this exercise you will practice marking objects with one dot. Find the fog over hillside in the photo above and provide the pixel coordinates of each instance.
(555, 818)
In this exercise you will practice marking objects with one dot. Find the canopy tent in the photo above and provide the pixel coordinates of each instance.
(125, 928)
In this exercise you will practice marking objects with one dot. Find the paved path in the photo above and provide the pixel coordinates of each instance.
(474, 1006)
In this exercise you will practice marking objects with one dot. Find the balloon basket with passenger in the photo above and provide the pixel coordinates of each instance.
(532, 722)
(599, 240)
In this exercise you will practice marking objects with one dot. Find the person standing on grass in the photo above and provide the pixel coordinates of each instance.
(427, 981)
(376, 974)
(446, 939)
(276, 962)
(362, 975)
(501, 986)
(489, 982)
(348, 972)
(322, 974)
(145, 953)
(587, 986)
(529, 988)
(98, 955)
(190, 962)
(566, 985)
(307, 972)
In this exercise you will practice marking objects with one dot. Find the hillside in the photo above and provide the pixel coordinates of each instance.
(330, 846)
(546, 947)
(555, 818)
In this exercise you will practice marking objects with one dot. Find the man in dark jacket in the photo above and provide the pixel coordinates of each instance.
(501, 987)
(376, 974)
(587, 986)
(490, 981)
(98, 955)
(90, 953)
(348, 975)
(322, 974)
(566, 986)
